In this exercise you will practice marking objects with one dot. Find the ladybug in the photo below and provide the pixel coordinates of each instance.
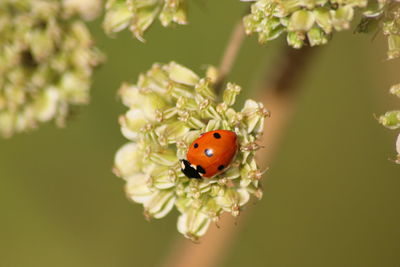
(210, 154)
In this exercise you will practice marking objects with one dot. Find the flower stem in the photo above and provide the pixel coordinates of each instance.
(278, 97)
(230, 54)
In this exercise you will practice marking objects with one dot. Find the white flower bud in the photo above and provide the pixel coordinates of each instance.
(193, 224)
(129, 159)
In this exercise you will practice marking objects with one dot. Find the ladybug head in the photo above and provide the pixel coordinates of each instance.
(189, 170)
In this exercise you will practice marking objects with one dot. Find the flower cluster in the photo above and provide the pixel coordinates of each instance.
(169, 107)
(139, 15)
(385, 15)
(310, 21)
(391, 119)
(47, 58)
(88, 9)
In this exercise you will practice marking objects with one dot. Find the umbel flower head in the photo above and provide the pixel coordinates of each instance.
(169, 107)
(311, 21)
(391, 120)
(139, 15)
(46, 62)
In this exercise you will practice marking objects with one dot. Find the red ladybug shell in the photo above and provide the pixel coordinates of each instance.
(212, 152)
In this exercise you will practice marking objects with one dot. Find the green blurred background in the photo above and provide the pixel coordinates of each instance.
(331, 195)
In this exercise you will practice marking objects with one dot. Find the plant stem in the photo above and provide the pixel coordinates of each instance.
(278, 97)
(230, 54)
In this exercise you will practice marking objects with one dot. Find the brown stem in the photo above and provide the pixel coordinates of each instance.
(290, 69)
(278, 97)
(230, 54)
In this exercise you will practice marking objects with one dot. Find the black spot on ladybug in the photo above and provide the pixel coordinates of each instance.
(221, 167)
(196, 145)
(209, 152)
(217, 135)
(200, 169)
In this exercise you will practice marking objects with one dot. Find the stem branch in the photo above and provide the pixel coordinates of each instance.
(230, 54)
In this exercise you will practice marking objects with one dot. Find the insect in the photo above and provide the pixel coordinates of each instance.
(210, 154)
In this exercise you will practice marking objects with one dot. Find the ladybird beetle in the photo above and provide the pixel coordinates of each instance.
(210, 154)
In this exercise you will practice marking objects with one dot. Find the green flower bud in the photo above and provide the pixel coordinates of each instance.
(230, 94)
(323, 19)
(118, 17)
(47, 59)
(254, 114)
(342, 17)
(390, 119)
(139, 15)
(182, 115)
(296, 39)
(317, 36)
(301, 20)
(180, 74)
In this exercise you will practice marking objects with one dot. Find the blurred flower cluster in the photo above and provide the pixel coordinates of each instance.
(169, 107)
(47, 58)
(139, 15)
(310, 21)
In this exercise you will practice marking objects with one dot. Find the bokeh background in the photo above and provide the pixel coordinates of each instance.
(332, 197)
